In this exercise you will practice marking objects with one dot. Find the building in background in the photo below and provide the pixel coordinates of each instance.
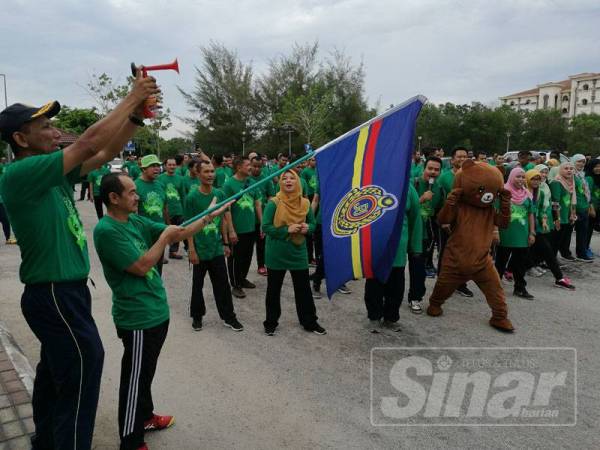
(580, 94)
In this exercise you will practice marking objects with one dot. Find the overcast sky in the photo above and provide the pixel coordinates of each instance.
(458, 51)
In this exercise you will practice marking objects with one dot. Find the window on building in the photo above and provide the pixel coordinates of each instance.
(527, 102)
(585, 87)
(546, 98)
(565, 110)
(565, 98)
(584, 101)
(512, 103)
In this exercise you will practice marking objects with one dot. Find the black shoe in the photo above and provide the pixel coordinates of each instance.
(317, 329)
(270, 331)
(317, 292)
(234, 325)
(247, 285)
(238, 292)
(464, 291)
(585, 259)
(343, 289)
(569, 258)
(197, 324)
(523, 294)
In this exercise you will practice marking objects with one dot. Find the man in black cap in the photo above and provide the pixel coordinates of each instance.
(54, 258)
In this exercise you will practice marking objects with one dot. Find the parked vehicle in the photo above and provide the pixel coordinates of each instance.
(116, 165)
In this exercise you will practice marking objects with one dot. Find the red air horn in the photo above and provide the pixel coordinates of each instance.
(151, 102)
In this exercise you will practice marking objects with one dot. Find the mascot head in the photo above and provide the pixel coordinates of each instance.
(480, 183)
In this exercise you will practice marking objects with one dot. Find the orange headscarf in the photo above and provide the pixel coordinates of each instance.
(292, 208)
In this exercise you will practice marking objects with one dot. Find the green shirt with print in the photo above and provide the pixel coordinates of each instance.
(517, 233)
(280, 252)
(411, 238)
(561, 196)
(243, 210)
(220, 177)
(430, 207)
(152, 199)
(208, 242)
(174, 190)
(595, 193)
(583, 203)
(45, 221)
(138, 302)
(309, 175)
(95, 179)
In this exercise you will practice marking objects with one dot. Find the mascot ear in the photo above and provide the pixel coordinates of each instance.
(468, 164)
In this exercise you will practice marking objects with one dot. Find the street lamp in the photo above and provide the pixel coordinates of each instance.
(419, 138)
(289, 130)
(6, 106)
(507, 141)
(244, 143)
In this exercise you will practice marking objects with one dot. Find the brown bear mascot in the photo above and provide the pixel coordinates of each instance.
(470, 214)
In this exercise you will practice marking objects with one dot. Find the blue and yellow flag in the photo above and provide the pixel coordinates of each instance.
(364, 177)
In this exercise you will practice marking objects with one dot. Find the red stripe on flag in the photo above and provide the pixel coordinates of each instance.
(367, 178)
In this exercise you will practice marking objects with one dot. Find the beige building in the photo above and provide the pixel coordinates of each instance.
(580, 94)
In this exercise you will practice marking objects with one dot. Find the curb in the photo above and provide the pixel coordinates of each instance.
(18, 358)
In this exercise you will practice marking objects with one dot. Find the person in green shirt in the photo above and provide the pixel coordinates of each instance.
(207, 252)
(129, 247)
(383, 300)
(242, 227)
(182, 162)
(220, 172)
(593, 179)
(445, 181)
(190, 181)
(228, 165)
(520, 234)
(582, 209)
(56, 301)
(132, 167)
(95, 178)
(416, 165)
(175, 193)
(153, 199)
(287, 220)
(265, 191)
(542, 248)
(564, 199)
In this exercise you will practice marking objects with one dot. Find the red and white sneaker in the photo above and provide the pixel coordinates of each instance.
(158, 423)
(262, 271)
(564, 283)
(143, 447)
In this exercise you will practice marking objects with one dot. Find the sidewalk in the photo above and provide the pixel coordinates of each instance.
(16, 421)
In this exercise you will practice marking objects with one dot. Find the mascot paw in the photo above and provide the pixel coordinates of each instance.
(502, 324)
(434, 311)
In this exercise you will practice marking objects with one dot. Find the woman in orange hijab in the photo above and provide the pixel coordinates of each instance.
(287, 219)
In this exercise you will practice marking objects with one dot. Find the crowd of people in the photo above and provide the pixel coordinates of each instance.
(142, 207)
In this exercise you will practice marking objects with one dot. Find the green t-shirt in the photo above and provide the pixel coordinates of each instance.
(209, 241)
(264, 192)
(46, 224)
(182, 170)
(220, 177)
(138, 302)
(309, 175)
(243, 211)
(152, 199)
(189, 184)
(517, 233)
(228, 171)
(428, 208)
(595, 193)
(561, 196)
(133, 169)
(280, 252)
(174, 190)
(416, 170)
(583, 203)
(541, 212)
(445, 182)
(95, 179)
(412, 229)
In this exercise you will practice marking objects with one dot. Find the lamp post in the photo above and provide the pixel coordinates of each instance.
(244, 143)
(507, 141)
(6, 106)
(289, 130)
(419, 139)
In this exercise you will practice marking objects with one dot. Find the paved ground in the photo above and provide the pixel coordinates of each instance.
(299, 390)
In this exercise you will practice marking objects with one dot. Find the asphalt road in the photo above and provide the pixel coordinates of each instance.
(299, 390)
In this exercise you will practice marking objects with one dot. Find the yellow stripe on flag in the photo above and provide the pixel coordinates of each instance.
(361, 144)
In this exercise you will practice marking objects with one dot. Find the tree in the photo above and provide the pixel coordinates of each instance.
(584, 134)
(544, 129)
(75, 120)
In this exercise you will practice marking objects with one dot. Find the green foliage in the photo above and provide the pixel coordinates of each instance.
(316, 99)
(584, 136)
(75, 120)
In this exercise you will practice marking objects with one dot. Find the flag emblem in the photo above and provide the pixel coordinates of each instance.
(359, 208)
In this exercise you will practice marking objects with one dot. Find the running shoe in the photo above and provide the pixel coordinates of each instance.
(234, 324)
(430, 272)
(317, 329)
(248, 285)
(343, 289)
(197, 324)
(523, 294)
(585, 259)
(11, 241)
(270, 331)
(158, 423)
(143, 447)
(391, 326)
(534, 272)
(262, 271)
(374, 326)
(317, 292)
(564, 283)
(464, 291)
(238, 292)
(508, 276)
(415, 306)
(569, 258)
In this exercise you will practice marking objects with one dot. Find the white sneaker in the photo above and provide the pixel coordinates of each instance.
(415, 306)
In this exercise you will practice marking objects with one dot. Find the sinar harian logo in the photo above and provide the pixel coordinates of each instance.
(361, 207)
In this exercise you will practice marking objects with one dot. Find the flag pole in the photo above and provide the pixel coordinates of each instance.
(291, 165)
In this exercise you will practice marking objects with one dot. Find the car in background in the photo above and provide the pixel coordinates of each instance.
(513, 156)
(116, 165)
